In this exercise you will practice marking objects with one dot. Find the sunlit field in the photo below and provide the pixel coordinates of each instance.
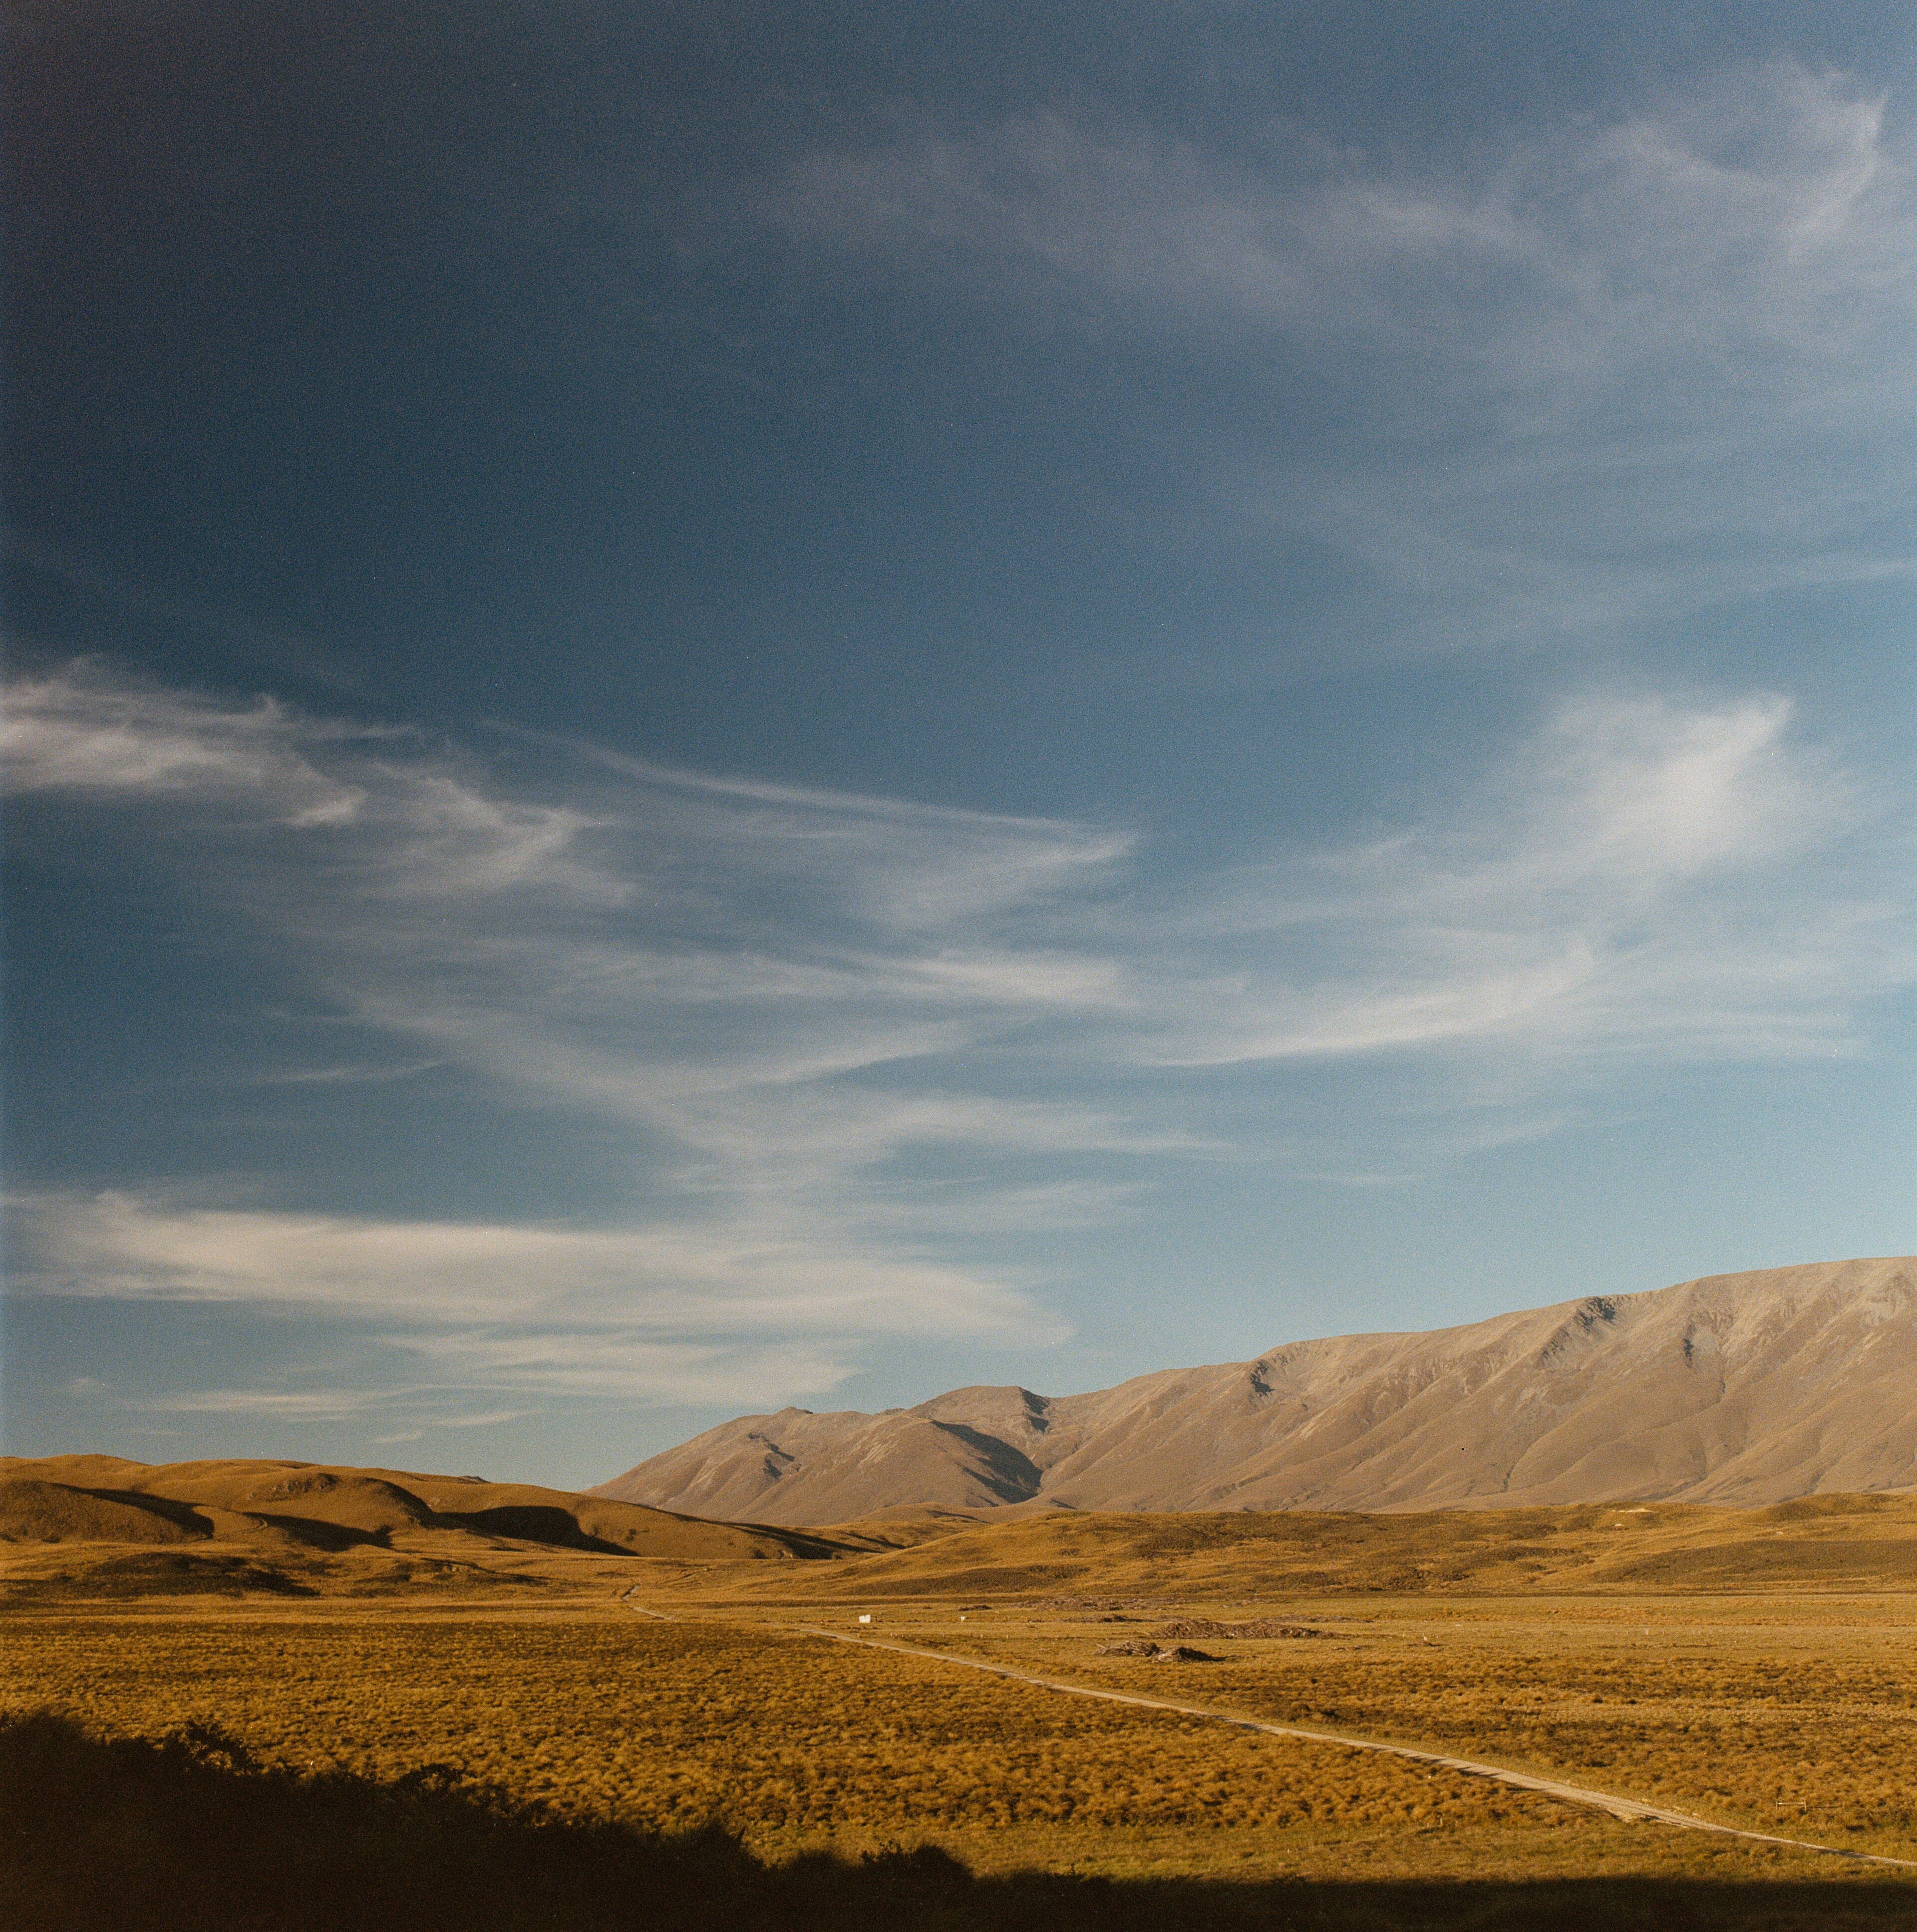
(789, 1740)
(1792, 1720)
(1658, 1656)
(1786, 1717)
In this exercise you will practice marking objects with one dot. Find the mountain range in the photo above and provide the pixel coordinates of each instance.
(1739, 1388)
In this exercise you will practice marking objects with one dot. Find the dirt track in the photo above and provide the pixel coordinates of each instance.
(1631, 1809)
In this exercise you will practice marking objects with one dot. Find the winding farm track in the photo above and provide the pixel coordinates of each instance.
(1633, 1810)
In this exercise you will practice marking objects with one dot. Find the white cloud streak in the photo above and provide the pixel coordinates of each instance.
(294, 1404)
(669, 1278)
(1632, 888)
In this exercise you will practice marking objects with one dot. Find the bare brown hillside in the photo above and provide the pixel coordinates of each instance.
(1748, 1388)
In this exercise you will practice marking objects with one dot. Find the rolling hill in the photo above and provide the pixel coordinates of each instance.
(90, 1523)
(1749, 1389)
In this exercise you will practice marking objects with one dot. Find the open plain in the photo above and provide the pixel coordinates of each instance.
(1756, 1670)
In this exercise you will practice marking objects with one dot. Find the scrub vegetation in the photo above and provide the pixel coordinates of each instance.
(1795, 1718)
(677, 1725)
(678, 1709)
(185, 1833)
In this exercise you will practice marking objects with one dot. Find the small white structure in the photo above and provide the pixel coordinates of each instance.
(865, 1616)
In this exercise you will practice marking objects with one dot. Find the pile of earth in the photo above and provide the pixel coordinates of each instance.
(1156, 1653)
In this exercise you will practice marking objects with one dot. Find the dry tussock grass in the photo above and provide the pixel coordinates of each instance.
(1826, 1745)
(672, 1725)
(1781, 1710)
(591, 1714)
(187, 1834)
(1804, 1725)
(1127, 1561)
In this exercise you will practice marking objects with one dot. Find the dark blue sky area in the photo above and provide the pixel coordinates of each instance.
(436, 357)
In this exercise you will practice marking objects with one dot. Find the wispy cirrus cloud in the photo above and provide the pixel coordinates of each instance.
(756, 1301)
(1595, 374)
(861, 1046)
(1633, 886)
(82, 732)
(1771, 199)
(303, 1405)
(324, 1405)
(736, 1277)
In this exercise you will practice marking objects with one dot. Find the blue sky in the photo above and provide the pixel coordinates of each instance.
(713, 706)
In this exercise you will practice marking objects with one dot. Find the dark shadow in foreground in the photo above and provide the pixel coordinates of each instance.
(189, 1835)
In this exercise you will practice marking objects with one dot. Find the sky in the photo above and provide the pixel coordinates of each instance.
(718, 706)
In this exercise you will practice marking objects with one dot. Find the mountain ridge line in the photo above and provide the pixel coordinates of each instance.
(1748, 1388)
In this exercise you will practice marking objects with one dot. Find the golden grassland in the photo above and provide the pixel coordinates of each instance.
(793, 1742)
(1818, 1543)
(1758, 1668)
(1785, 1716)
(788, 1740)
